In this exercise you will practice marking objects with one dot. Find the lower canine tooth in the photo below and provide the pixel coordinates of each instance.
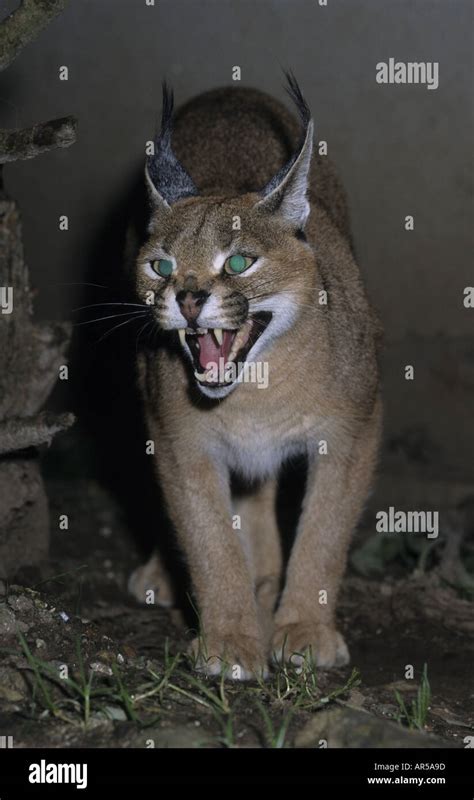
(182, 336)
(240, 339)
(219, 336)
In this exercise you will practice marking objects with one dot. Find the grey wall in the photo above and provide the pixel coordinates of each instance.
(401, 149)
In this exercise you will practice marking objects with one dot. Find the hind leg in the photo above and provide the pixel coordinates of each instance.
(152, 575)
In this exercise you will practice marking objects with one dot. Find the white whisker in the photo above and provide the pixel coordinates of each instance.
(110, 316)
(115, 328)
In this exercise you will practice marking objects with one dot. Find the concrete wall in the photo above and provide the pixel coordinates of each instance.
(401, 149)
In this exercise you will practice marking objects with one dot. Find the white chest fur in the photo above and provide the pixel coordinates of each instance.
(257, 448)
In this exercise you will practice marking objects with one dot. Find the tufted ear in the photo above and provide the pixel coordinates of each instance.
(285, 193)
(166, 178)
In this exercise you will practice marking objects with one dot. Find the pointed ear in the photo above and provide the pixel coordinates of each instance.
(167, 180)
(157, 201)
(285, 194)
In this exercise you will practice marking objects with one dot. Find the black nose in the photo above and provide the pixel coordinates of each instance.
(190, 303)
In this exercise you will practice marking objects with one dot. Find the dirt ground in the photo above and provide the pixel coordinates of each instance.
(82, 664)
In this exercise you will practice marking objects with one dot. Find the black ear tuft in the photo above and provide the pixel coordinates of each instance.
(304, 113)
(285, 193)
(167, 108)
(294, 91)
(169, 180)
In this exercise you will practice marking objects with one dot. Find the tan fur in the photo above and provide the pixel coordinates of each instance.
(323, 385)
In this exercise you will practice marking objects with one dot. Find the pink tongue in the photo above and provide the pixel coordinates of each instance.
(210, 352)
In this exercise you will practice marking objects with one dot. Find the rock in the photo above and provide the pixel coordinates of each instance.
(24, 522)
(101, 669)
(45, 617)
(175, 736)
(112, 713)
(9, 624)
(356, 699)
(20, 603)
(12, 686)
(349, 727)
(30, 356)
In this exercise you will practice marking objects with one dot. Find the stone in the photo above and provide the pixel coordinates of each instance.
(20, 603)
(24, 520)
(9, 624)
(13, 688)
(349, 727)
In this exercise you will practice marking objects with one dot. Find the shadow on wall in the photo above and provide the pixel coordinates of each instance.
(109, 440)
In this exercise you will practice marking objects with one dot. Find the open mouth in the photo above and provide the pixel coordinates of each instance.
(217, 352)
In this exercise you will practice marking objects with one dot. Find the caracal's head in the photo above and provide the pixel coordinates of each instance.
(226, 275)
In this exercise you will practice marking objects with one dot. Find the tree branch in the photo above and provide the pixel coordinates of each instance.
(24, 24)
(31, 142)
(18, 434)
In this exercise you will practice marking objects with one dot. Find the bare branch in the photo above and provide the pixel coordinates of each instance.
(24, 24)
(18, 434)
(31, 142)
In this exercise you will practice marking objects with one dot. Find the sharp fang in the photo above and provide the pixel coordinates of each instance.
(219, 336)
(240, 339)
(201, 376)
(182, 336)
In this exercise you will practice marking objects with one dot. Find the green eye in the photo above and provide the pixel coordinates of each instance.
(238, 263)
(163, 266)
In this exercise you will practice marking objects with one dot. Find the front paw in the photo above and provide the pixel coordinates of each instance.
(238, 656)
(321, 643)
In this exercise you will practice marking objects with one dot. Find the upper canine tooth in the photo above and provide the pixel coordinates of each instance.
(219, 336)
(182, 336)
